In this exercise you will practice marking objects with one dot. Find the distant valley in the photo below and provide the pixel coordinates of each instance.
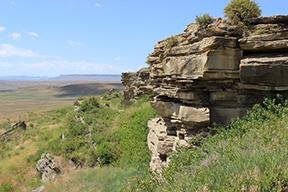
(70, 77)
(19, 96)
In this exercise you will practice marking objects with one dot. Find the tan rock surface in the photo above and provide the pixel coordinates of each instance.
(212, 75)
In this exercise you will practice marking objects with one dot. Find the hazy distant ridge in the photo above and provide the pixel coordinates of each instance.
(89, 77)
(76, 77)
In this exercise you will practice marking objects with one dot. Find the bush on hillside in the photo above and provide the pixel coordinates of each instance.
(240, 11)
(204, 20)
(89, 104)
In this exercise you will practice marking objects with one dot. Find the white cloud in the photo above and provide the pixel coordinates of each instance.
(72, 43)
(33, 35)
(2, 28)
(117, 58)
(15, 35)
(7, 50)
(97, 5)
(56, 67)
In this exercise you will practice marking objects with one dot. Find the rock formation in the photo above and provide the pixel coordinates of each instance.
(212, 75)
(7, 134)
(136, 84)
(48, 167)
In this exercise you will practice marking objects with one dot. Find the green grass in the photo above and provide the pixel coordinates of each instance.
(113, 139)
(89, 180)
(250, 156)
(132, 135)
(125, 138)
(19, 155)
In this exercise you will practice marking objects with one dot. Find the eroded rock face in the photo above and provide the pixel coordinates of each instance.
(162, 140)
(213, 75)
(136, 84)
(48, 167)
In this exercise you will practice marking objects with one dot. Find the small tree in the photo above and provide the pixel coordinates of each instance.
(204, 20)
(242, 10)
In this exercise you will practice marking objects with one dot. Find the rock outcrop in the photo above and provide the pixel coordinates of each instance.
(48, 167)
(12, 129)
(136, 84)
(212, 75)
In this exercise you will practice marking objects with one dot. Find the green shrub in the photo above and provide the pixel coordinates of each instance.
(204, 20)
(171, 42)
(89, 104)
(240, 11)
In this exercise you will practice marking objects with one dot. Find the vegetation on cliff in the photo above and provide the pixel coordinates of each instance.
(204, 20)
(242, 10)
(249, 155)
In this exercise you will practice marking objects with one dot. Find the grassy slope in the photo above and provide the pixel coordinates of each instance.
(18, 156)
(250, 156)
(121, 126)
(130, 129)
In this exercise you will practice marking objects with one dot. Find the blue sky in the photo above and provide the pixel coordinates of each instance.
(53, 37)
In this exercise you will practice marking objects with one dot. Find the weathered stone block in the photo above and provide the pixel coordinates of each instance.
(223, 59)
(269, 75)
(194, 66)
(264, 46)
(269, 20)
(266, 37)
(186, 114)
(206, 44)
(268, 71)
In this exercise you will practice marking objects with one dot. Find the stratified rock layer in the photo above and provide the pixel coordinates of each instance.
(212, 75)
(136, 84)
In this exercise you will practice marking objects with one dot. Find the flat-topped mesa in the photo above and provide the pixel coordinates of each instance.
(212, 75)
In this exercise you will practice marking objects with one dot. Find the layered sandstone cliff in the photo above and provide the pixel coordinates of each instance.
(213, 75)
(136, 84)
(209, 75)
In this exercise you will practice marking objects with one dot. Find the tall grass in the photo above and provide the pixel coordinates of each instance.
(248, 156)
(126, 139)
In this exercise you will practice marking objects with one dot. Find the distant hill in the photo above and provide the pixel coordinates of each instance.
(72, 77)
(88, 77)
